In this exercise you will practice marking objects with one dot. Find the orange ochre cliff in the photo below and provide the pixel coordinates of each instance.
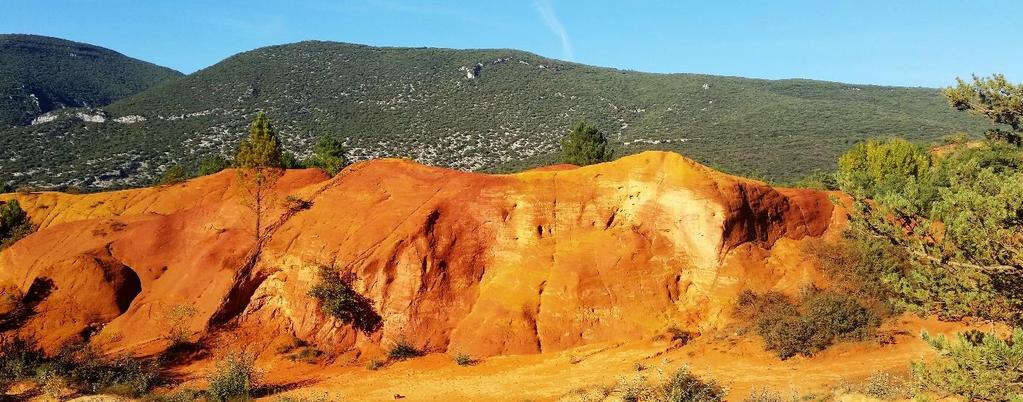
(534, 262)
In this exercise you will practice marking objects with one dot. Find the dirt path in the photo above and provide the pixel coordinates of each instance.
(741, 365)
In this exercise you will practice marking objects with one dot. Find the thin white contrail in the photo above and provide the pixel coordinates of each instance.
(543, 7)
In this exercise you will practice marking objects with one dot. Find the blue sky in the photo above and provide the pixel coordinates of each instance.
(913, 43)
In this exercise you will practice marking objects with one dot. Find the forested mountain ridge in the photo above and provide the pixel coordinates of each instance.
(491, 110)
(39, 74)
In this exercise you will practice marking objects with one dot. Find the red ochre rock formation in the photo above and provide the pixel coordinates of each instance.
(451, 261)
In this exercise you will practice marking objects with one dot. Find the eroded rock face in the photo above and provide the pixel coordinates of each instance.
(486, 264)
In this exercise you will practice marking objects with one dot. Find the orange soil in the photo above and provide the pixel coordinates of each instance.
(517, 269)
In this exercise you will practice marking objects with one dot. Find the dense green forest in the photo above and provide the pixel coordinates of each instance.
(39, 74)
(489, 110)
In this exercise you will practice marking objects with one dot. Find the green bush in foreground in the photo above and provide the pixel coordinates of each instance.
(975, 366)
(233, 377)
(14, 223)
(821, 319)
(680, 386)
(403, 350)
(80, 367)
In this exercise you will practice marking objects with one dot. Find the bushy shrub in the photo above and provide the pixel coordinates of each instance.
(680, 335)
(764, 395)
(19, 359)
(173, 175)
(680, 386)
(329, 155)
(176, 318)
(80, 367)
(211, 164)
(463, 359)
(684, 386)
(14, 223)
(402, 350)
(585, 145)
(947, 225)
(974, 366)
(886, 386)
(818, 321)
(233, 377)
(338, 299)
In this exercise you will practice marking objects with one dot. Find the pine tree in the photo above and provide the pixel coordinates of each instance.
(585, 145)
(259, 167)
(995, 98)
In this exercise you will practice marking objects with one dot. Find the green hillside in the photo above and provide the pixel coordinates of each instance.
(508, 113)
(39, 74)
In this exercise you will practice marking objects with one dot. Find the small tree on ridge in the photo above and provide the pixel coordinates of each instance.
(259, 167)
(585, 145)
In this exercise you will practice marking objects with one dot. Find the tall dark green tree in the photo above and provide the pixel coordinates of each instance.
(259, 161)
(585, 145)
(329, 155)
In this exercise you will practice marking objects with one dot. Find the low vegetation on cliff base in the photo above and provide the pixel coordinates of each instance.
(949, 226)
(233, 377)
(808, 325)
(681, 385)
(940, 233)
(14, 223)
(76, 369)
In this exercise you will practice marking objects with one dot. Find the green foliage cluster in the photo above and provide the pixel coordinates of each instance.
(39, 74)
(948, 226)
(817, 321)
(14, 223)
(173, 175)
(403, 350)
(262, 150)
(211, 164)
(585, 145)
(464, 359)
(233, 378)
(993, 97)
(260, 165)
(682, 385)
(329, 155)
(417, 103)
(80, 366)
(337, 299)
(976, 366)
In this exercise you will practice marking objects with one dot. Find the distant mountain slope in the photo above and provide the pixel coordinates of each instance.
(469, 109)
(39, 74)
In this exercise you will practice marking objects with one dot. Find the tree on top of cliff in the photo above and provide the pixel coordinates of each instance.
(259, 161)
(585, 145)
(329, 155)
